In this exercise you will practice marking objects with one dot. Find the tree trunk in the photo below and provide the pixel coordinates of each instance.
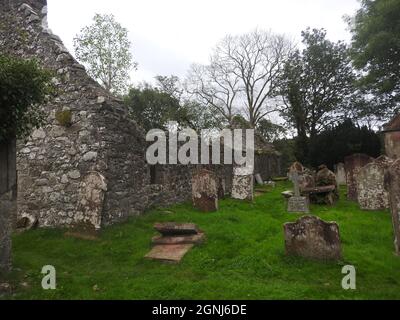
(8, 200)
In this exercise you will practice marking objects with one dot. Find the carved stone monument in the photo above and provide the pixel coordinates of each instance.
(297, 203)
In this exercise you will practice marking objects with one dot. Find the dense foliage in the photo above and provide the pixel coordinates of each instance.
(334, 144)
(23, 85)
(376, 51)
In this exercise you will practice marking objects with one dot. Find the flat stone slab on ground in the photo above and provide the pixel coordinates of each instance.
(185, 239)
(169, 253)
(175, 229)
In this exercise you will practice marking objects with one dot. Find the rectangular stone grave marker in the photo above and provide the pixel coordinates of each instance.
(353, 165)
(205, 189)
(340, 174)
(243, 184)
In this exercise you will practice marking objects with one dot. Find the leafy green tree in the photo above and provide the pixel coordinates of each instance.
(270, 131)
(315, 85)
(104, 48)
(152, 108)
(376, 50)
(23, 86)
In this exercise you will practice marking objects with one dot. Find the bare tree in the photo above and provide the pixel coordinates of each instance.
(242, 76)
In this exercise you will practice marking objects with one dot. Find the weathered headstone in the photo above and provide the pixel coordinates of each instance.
(175, 241)
(297, 203)
(205, 189)
(8, 201)
(243, 184)
(392, 185)
(259, 179)
(353, 164)
(370, 185)
(312, 238)
(340, 174)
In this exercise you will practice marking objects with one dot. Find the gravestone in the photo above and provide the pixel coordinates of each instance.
(8, 201)
(352, 165)
(392, 185)
(259, 179)
(297, 203)
(312, 238)
(205, 189)
(243, 184)
(372, 194)
(340, 174)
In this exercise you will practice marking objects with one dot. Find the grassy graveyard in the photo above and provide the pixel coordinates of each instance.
(243, 257)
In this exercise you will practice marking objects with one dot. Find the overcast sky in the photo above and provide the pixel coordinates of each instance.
(169, 35)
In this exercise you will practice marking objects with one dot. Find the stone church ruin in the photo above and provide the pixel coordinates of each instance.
(86, 166)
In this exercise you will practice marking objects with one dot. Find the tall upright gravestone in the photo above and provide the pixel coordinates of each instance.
(8, 201)
(353, 165)
(243, 184)
(340, 174)
(205, 189)
(392, 185)
(370, 185)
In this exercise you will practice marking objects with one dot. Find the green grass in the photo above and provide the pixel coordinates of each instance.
(243, 257)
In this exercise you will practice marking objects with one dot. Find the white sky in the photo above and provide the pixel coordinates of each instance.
(169, 35)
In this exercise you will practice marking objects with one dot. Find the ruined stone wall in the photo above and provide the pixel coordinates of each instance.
(86, 166)
(100, 148)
